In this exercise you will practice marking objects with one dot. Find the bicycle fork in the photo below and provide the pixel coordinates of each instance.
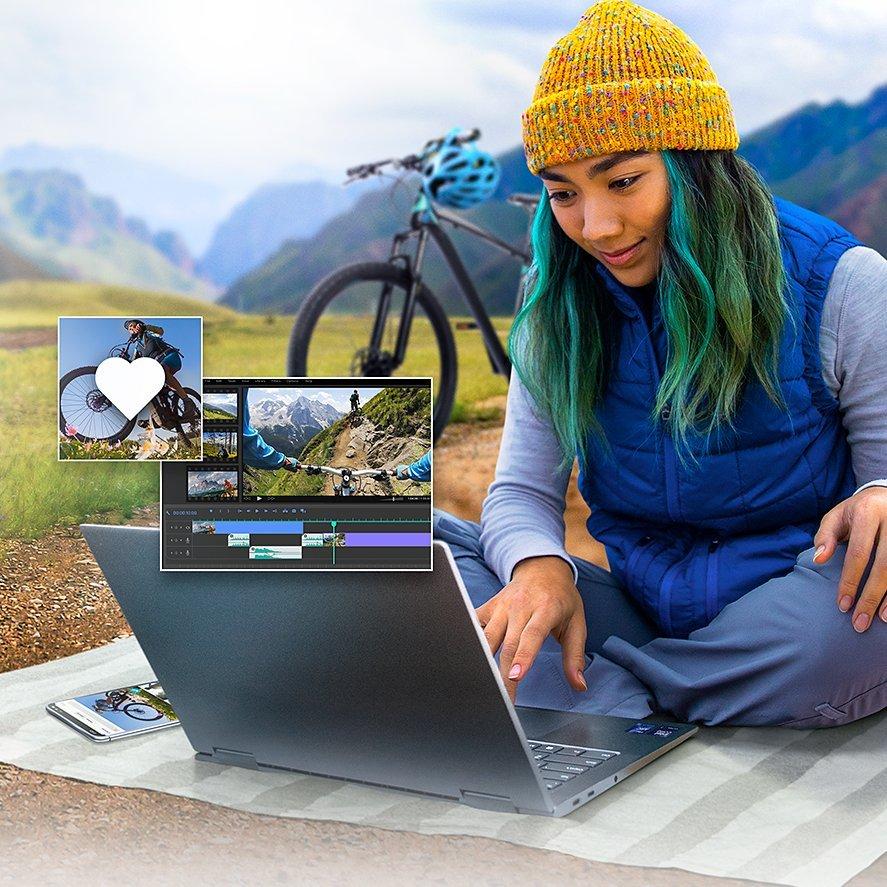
(409, 306)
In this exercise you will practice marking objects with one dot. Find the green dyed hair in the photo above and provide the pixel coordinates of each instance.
(721, 285)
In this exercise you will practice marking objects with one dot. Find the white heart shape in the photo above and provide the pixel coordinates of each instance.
(129, 386)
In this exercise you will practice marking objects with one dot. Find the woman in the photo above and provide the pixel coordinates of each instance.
(715, 360)
(148, 342)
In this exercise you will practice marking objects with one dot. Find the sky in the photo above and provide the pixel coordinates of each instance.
(239, 94)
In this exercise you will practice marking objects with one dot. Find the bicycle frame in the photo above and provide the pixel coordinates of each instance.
(425, 222)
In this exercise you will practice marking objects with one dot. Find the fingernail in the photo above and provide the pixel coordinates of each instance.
(581, 679)
(818, 552)
(846, 603)
(861, 622)
(515, 671)
(884, 614)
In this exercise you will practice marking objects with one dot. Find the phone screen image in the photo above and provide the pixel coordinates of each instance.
(125, 710)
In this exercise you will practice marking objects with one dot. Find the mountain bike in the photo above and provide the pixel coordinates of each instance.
(87, 415)
(364, 313)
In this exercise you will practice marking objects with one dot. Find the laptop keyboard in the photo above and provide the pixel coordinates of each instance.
(561, 763)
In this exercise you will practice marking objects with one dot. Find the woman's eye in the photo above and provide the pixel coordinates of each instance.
(559, 196)
(620, 182)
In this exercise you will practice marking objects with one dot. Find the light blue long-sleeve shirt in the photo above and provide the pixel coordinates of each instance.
(419, 470)
(256, 453)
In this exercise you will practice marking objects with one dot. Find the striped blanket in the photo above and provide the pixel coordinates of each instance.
(778, 805)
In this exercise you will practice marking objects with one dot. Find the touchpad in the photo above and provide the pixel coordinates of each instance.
(539, 721)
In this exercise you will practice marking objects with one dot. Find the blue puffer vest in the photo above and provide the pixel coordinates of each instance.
(686, 542)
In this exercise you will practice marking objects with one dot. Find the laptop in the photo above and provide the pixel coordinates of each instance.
(380, 678)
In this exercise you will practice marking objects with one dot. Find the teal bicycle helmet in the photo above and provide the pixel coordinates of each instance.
(459, 175)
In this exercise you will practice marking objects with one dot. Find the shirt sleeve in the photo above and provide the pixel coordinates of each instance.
(853, 351)
(256, 453)
(420, 470)
(523, 513)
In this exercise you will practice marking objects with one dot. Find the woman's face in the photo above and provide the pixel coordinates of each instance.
(608, 203)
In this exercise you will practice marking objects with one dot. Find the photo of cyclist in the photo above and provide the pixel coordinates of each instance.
(91, 424)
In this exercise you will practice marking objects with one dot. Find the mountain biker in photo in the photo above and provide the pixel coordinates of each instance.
(257, 453)
(148, 342)
(714, 357)
(355, 401)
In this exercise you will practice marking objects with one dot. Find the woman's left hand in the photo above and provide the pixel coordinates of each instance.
(861, 520)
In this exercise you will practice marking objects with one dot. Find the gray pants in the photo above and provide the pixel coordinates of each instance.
(783, 654)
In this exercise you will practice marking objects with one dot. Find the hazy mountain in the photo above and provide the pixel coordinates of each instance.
(164, 198)
(16, 267)
(829, 158)
(287, 425)
(269, 216)
(50, 218)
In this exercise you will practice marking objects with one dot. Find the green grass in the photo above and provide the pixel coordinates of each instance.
(38, 492)
(38, 303)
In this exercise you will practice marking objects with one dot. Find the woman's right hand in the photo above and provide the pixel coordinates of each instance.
(541, 599)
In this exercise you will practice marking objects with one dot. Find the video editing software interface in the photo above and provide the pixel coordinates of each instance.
(360, 499)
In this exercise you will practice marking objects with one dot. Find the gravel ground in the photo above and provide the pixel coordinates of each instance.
(60, 831)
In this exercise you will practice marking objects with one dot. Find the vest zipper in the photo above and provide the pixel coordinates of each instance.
(669, 456)
(711, 580)
(636, 553)
(671, 481)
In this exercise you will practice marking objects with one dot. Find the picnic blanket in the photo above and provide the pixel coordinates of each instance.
(778, 805)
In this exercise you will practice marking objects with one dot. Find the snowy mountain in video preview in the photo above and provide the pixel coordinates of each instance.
(288, 424)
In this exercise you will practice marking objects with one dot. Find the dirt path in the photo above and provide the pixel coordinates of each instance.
(353, 441)
(64, 832)
(16, 340)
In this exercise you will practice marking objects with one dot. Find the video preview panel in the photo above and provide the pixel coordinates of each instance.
(305, 474)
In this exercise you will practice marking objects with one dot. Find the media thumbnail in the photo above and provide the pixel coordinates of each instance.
(211, 485)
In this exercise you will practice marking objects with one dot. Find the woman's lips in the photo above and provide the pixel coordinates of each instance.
(623, 257)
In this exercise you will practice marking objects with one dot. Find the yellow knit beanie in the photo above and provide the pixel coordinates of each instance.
(624, 78)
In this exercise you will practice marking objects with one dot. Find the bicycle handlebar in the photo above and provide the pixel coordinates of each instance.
(411, 161)
(354, 472)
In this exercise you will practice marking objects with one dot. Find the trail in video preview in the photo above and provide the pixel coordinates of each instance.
(304, 474)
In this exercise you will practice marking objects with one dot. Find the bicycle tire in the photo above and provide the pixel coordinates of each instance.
(331, 286)
(132, 707)
(122, 434)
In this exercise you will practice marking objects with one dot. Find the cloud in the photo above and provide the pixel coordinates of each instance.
(233, 93)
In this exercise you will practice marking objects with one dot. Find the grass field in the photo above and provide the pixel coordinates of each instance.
(37, 491)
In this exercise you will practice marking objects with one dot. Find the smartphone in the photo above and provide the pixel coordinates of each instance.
(115, 714)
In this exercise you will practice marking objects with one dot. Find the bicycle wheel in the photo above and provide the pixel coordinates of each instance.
(139, 712)
(331, 334)
(85, 409)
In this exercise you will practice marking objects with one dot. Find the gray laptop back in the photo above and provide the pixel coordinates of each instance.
(382, 678)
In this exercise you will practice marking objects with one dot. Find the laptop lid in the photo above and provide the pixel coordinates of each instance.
(376, 677)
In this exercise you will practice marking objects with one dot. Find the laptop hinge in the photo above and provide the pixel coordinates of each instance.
(487, 802)
(235, 758)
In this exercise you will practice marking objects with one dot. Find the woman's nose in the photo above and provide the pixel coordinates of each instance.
(601, 227)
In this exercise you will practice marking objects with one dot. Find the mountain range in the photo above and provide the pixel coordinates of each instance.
(274, 213)
(49, 219)
(829, 158)
(287, 425)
